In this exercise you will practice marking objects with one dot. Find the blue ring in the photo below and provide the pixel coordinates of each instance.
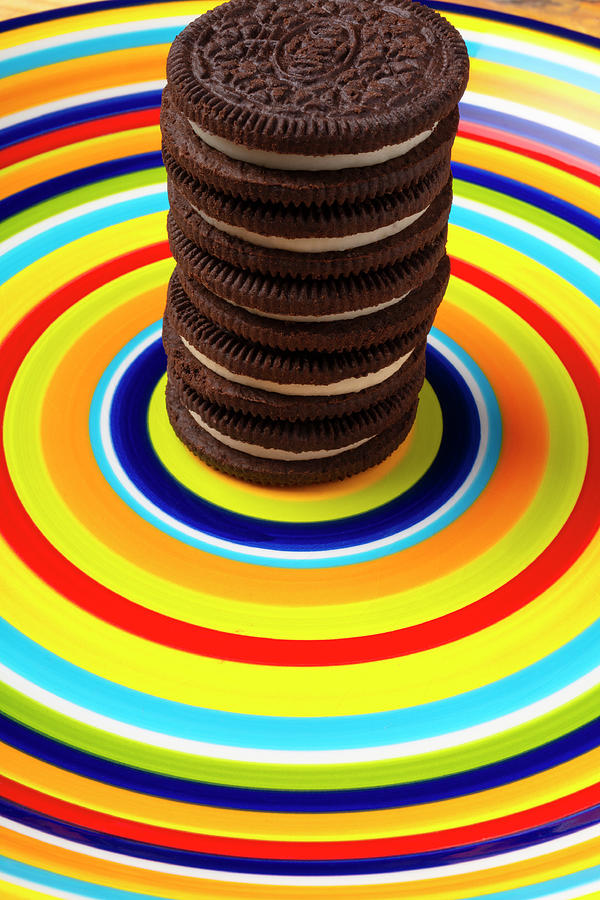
(160, 34)
(493, 15)
(53, 187)
(535, 197)
(531, 762)
(453, 462)
(306, 867)
(76, 115)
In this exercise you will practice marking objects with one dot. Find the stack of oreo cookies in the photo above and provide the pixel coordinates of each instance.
(307, 147)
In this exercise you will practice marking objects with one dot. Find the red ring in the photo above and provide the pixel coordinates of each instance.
(302, 850)
(62, 137)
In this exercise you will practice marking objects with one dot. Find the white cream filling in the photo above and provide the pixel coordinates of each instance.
(298, 162)
(346, 386)
(327, 317)
(270, 452)
(314, 244)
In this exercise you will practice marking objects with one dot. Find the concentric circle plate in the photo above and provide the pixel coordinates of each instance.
(382, 688)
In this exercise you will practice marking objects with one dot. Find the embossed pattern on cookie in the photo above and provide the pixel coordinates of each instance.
(268, 75)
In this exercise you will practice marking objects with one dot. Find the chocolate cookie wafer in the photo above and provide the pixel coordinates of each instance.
(309, 296)
(314, 436)
(255, 182)
(290, 372)
(261, 402)
(245, 459)
(314, 256)
(335, 223)
(411, 313)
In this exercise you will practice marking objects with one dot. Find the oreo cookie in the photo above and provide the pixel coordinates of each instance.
(310, 79)
(239, 457)
(380, 252)
(411, 313)
(304, 435)
(267, 221)
(292, 372)
(310, 296)
(264, 403)
(254, 182)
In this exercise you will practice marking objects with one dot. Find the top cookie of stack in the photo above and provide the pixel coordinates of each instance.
(307, 146)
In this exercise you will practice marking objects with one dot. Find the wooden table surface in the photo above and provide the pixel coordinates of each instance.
(582, 15)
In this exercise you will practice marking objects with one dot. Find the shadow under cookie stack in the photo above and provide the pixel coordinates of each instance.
(307, 148)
